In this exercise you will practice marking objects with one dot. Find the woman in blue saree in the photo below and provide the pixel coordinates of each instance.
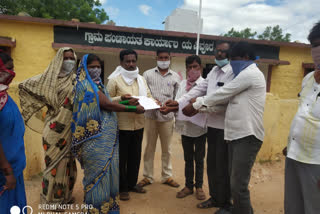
(12, 154)
(95, 137)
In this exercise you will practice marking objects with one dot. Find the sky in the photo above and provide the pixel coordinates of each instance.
(294, 16)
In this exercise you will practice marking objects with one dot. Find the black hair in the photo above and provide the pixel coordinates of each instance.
(314, 32)
(242, 49)
(192, 58)
(93, 57)
(222, 42)
(5, 57)
(159, 51)
(127, 52)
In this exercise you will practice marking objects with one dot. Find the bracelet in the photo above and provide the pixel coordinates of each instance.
(124, 102)
(131, 108)
(7, 171)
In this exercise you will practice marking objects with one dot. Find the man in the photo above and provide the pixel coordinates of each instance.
(193, 136)
(243, 122)
(217, 154)
(123, 83)
(302, 170)
(163, 84)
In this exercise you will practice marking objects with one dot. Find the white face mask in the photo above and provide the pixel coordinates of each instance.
(67, 67)
(163, 64)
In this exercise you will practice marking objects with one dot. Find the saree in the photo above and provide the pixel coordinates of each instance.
(11, 139)
(95, 144)
(55, 93)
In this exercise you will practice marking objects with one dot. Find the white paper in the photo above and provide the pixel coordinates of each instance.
(147, 103)
(199, 119)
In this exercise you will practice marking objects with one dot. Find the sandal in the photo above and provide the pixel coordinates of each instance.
(124, 196)
(207, 204)
(171, 183)
(144, 182)
(184, 192)
(200, 194)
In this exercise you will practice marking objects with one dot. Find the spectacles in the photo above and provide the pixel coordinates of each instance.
(222, 51)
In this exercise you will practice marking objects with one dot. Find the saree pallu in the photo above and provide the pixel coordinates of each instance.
(100, 161)
(11, 139)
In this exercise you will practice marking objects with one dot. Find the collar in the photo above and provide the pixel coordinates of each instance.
(157, 70)
(225, 68)
(199, 80)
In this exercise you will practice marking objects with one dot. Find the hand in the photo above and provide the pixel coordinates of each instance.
(317, 75)
(126, 97)
(193, 100)
(189, 110)
(171, 103)
(134, 102)
(284, 151)
(140, 109)
(166, 109)
(10, 182)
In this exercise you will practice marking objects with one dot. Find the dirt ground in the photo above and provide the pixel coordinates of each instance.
(266, 186)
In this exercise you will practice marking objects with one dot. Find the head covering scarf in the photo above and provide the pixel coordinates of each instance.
(6, 77)
(129, 77)
(86, 122)
(45, 89)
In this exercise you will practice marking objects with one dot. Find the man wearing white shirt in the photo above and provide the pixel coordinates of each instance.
(243, 123)
(193, 136)
(302, 171)
(217, 153)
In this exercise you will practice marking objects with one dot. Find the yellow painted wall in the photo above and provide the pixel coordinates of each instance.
(32, 54)
(282, 102)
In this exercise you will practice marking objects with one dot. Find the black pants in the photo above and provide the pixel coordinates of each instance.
(130, 155)
(194, 150)
(242, 154)
(218, 168)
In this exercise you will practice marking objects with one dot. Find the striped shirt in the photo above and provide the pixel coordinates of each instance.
(304, 137)
(162, 88)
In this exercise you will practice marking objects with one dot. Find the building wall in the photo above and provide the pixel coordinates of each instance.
(32, 54)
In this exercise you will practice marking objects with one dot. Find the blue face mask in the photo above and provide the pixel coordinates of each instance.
(239, 65)
(222, 62)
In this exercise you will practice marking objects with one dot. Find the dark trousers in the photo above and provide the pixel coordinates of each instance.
(130, 155)
(218, 168)
(194, 151)
(242, 155)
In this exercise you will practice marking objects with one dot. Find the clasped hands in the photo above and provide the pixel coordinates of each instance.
(173, 106)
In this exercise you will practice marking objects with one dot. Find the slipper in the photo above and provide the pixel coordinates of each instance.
(171, 183)
(184, 192)
(124, 196)
(200, 194)
(144, 182)
(207, 204)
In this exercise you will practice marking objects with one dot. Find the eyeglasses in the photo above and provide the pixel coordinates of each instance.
(222, 51)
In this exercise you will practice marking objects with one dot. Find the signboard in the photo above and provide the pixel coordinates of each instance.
(145, 41)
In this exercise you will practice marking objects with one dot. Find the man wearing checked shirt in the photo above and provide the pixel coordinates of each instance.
(302, 171)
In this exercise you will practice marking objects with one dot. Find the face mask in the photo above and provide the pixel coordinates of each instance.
(67, 67)
(95, 74)
(193, 75)
(163, 64)
(315, 52)
(222, 62)
(239, 65)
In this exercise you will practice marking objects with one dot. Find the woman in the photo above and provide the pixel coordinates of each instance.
(53, 89)
(12, 155)
(95, 137)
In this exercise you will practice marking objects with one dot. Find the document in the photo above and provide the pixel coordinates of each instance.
(199, 119)
(147, 103)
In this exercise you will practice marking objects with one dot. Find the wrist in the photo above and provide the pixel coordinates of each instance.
(124, 102)
(131, 108)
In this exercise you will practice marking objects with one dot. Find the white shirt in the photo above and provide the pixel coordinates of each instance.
(304, 137)
(185, 127)
(246, 95)
(215, 79)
